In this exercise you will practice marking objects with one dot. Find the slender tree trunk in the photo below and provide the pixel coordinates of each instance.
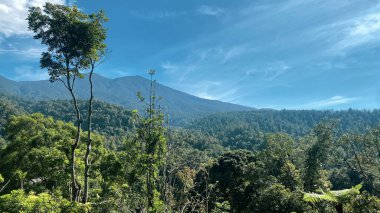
(89, 140)
(150, 191)
(5, 185)
(339, 208)
(150, 151)
(75, 185)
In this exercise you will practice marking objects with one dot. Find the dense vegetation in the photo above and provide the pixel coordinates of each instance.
(195, 174)
(199, 172)
(108, 118)
(246, 129)
(91, 156)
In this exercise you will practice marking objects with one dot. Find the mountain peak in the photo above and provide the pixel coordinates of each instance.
(121, 91)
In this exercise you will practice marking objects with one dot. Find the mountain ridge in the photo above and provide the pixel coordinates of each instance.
(121, 91)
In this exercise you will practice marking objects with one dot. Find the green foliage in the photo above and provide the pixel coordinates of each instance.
(151, 136)
(361, 154)
(19, 201)
(363, 203)
(38, 151)
(193, 170)
(242, 181)
(246, 130)
(108, 119)
(73, 39)
(257, 161)
(290, 176)
(277, 198)
(317, 156)
(186, 178)
(75, 42)
(38, 146)
(337, 196)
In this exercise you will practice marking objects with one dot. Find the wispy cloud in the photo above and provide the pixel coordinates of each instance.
(28, 53)
(329, 102)
(253, 49)
(366, 25)
(356, 32)
(28, 73)
(180, 71)
(220, 54)
(228, 95)
(210, 11)
(170, 68)
(214, 90)
(268, 71)
(263, 50)
(13, 15)
(274, 70)
(163, 14)
(211, 89)
(206, 95)
(154, 15)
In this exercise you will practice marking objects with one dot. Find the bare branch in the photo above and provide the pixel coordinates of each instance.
(63, 83)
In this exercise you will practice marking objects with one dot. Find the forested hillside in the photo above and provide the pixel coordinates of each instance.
(280, 163)
(108, 118)
(232, 130)
(246, 129)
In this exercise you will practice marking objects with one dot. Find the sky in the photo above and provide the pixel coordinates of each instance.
(293, 54)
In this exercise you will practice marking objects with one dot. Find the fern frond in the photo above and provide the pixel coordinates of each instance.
(332, 196)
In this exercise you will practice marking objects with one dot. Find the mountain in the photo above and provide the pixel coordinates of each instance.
(121, 91)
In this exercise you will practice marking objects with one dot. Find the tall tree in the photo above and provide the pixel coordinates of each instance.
(317, 156)
(152, 134)
(73, 43)
(97, 36)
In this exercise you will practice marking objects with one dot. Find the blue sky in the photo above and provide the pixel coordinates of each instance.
(294, 54)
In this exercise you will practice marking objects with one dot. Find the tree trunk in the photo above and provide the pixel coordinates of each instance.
(339, 208)
(89, 140)
(150, 193)
(75, 185)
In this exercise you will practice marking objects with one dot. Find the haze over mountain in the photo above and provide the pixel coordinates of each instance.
(121, 91)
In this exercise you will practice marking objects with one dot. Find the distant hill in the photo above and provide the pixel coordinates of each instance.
(233, 130)
(293, 122)
(107, 118)
(121, 91)
(244, 130)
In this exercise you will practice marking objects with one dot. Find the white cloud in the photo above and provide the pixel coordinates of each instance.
(333, 101)
(209, 11)
(28, 73)
(356, 32)
(205, 95)
(221, 54)
(235, 52)
(170, 68)
(153, 15)
(215, 90)
(274, 70)
(28, 53)
(180, 71)
(13, 14)
(366, 25)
